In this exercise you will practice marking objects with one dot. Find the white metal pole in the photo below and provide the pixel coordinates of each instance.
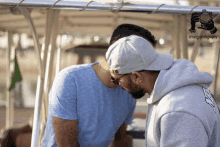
(184, 41)
(48, 30)
(94, 6)
(216, 72)
(196, 47)
(40, 81)
(12, 92)
(59, 48)
(44, 56)
(59, 55)
(176, 38)
(215, 65)
(37, 107)
(58, 60)
(27, 16)
(49, 21)
(9, 96)
(49, 66)
(56, 29)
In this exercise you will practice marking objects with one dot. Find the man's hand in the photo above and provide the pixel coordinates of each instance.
(66, 132)
(121, 138)
(124, 142)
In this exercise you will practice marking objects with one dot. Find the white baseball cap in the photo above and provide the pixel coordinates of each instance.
(134, 53)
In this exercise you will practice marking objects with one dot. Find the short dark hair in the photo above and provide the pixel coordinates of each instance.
(150, 71)
(125, 30)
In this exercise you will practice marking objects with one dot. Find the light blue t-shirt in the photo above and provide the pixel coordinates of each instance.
(78, 94)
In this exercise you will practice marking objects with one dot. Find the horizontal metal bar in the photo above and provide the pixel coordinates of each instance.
(95, 6)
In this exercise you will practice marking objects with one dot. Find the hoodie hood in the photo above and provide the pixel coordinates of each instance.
(180, 74)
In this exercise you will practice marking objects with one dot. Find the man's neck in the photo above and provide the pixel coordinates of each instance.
(150, 81)
(103, 73)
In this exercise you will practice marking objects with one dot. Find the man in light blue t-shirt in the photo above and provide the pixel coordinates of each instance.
(87, 108)
(83, 110)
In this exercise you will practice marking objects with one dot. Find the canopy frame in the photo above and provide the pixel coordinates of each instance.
(114, 7)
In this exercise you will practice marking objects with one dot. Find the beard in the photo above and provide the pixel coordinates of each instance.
(135, 90)
(137, 94)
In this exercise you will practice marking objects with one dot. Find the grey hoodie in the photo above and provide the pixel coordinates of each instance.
(181, 110)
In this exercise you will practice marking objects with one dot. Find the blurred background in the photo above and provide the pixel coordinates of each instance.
(83, 38)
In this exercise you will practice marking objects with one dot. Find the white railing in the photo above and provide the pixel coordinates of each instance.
(98, 6)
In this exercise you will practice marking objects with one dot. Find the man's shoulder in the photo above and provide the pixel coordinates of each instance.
(190, 99)
(183, 98)
(76, 68)
(71, 73)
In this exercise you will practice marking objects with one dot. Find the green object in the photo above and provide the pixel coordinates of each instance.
(16, 75)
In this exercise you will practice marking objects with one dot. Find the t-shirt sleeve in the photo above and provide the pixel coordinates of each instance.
(182, 129)
(63, 97)
(131, 112)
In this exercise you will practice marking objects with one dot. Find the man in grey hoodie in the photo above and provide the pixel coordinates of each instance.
(181, 110)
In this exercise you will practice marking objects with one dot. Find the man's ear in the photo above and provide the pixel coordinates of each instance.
(136, 77)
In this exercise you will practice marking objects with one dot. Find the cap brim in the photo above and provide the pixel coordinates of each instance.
(163, 61)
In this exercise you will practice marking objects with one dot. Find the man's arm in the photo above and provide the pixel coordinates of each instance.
(121, 138)
(66, 132)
